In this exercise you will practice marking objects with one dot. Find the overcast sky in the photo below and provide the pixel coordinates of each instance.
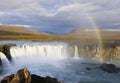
(61, 16)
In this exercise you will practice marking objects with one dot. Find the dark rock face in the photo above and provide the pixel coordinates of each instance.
(7, 79)
(6, 50)
(0, 62)
(110, 68)
(1, 66)
(39, 79)
(24, 76)
(87, 68)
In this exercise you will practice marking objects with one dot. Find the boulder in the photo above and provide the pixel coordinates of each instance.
(110, 68)
(7, 79)
(6, 50)
(87, 68)
(0, 61)
(22, 76)
(39, 79)
(1, 66)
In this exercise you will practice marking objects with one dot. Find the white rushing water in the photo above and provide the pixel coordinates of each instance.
(4, 59)
(51, 59)
(53, 51)
(76, 55)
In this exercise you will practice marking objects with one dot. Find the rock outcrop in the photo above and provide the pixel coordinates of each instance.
(24, 76)
(110, 68)
(0, 62)
(39, 79)
(104, 53)
(6, 50)
(0, 66)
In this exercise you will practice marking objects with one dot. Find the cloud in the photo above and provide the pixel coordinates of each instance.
(86, 7)
(61, 16)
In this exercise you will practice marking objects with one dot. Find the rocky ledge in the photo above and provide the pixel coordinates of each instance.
(24, 76)
(110, 68)
(6, 50)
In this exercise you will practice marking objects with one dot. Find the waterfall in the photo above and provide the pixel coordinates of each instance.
(4, 59)
(76, 53)
(38, 51)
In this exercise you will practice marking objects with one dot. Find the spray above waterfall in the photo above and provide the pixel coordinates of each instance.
(52, 58)
(52, 51)
(3, 58)
(76, 55)
(49, 51)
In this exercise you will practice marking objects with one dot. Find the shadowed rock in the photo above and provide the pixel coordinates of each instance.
(39, 79)
(110, 68)
(0, 62)
(6, 50)
(24, 76)
(0, 66)
(87, 68)
(7, 79)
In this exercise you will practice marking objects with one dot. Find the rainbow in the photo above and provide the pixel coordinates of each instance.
(98, 35)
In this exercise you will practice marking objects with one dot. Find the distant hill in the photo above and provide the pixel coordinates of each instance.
(18, 30)
(81, 33)
(12, 32)
(104, 33)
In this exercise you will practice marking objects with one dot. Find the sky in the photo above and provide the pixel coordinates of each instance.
(61, 16)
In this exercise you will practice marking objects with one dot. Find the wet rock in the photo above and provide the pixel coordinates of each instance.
(1, 66)
(7, 79)
(22, 76)
(110, 68)
(0, 62)
(6, 50)
(1, 70)
(39, 79)
(87, 68)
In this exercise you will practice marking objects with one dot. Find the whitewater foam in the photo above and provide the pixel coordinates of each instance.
(45, 50)
(4, 59)
(47, 59)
